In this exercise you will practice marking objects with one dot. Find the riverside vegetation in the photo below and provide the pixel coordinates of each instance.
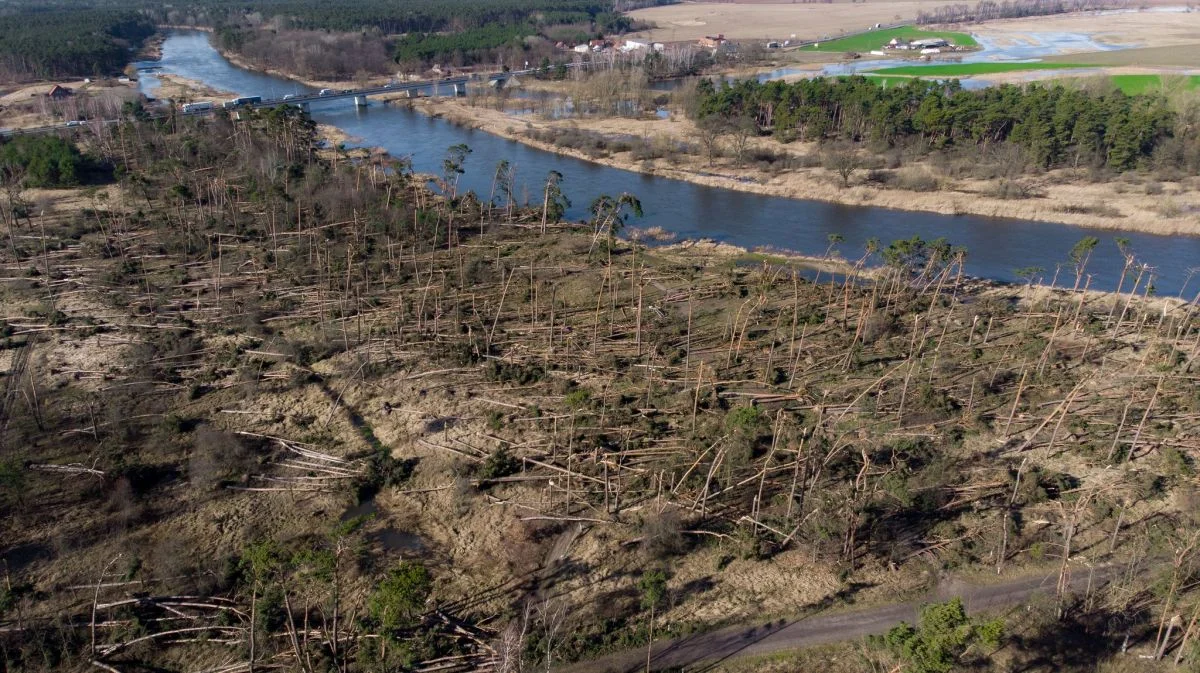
(271, 410)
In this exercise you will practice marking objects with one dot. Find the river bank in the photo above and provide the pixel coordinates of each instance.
(1129, 203)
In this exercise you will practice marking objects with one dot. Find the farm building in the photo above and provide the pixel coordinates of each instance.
(929, 43)
(59, 92)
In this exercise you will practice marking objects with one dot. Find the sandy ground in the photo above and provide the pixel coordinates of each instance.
(1115, 205)
(28, 106)
(692, 20)
(184, 89)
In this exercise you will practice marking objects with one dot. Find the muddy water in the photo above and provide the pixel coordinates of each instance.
(997, 246)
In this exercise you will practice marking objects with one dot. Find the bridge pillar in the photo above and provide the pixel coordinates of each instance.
(360, 101)
(410, 93)
(460, 89)
(303, 106)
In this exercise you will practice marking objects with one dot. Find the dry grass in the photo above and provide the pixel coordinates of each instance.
(1180, 55)
(690, 21)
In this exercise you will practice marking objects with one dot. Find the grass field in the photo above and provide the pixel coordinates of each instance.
(877, 38)
(1130, 84)
(968, 69)
(1138, 84)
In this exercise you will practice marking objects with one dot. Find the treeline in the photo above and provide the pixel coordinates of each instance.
(56, 42)
(460, 33)
(1055, 125)
(469, 45)
(1012, 9)
(389, 18)
(312, 54)
(59, 38)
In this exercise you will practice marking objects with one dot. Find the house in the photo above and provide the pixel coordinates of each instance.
(712, 41)
(582, 48)
(772, 45)
(59, 92)
(633, 45)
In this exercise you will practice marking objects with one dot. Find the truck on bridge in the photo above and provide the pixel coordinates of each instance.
(241, 102)
(203, 106)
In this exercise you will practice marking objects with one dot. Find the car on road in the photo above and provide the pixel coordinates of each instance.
(325, 92)
(289, 96)
(77, 122)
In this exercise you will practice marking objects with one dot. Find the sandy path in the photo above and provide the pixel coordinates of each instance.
(756, 640)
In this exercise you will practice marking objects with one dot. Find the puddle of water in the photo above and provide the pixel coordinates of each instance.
(400, 541)
(391, 539)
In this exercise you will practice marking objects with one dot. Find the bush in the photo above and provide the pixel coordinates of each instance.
(498, 465)
(1013, 190)
(401, 596)
(916, 180)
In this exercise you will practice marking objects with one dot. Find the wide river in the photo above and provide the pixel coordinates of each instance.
(996, 246)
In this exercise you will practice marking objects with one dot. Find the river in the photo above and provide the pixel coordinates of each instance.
(996, 246)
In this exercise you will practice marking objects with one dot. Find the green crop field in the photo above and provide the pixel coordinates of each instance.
(886, 82)
(877, 38)
(1138, 84)
(968, 69)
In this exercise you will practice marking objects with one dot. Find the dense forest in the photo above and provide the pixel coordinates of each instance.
(1054, 124)
(62, 38)
(55, 42)
(457, 33)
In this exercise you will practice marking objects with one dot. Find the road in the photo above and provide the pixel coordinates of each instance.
(782, 635)
(303, 99)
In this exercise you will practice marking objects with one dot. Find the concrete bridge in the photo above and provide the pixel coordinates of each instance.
(449, 86)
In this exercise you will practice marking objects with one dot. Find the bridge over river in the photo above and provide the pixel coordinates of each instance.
(448, 86)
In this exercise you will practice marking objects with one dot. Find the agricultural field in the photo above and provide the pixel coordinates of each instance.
(1142, 84)
(969, 69)
(876, 39)
(1117, 31)
(1184, 55)
(691, 21)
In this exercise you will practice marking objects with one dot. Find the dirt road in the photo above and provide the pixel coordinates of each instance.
(745, 640)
